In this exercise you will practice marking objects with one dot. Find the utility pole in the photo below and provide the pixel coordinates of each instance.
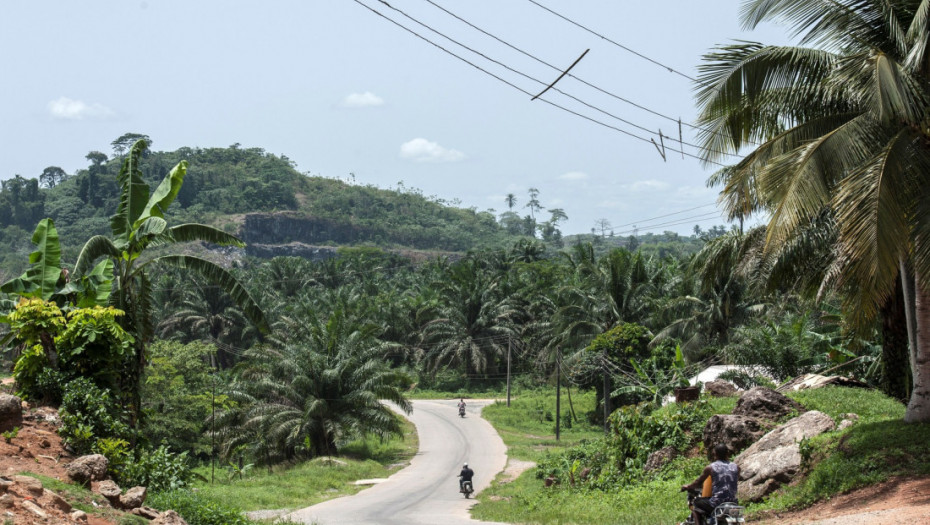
(213, 434)
(558, 392)
(606, 395)
(508, 369)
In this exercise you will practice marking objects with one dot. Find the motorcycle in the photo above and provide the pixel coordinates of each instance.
(727, 513)
(467, 489)
(461, 411)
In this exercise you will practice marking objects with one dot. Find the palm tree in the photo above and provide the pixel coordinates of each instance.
(138, 227)
(511, 201)
(838, 127)
(476, 318)
(208, 313)
(309, 396)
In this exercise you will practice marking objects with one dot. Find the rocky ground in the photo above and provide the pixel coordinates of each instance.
(900, 500)
(37, 449)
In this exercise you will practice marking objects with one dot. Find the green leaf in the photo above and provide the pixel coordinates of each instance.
(164, 194)
(41, 279)
(134, 193)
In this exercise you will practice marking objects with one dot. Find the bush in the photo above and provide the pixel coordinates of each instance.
(158, 469)
(88, 413)
(636, 432)
(196, 509)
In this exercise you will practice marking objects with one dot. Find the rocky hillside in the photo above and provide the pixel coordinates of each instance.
(41, 482)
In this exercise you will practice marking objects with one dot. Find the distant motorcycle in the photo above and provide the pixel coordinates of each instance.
(467, 489)
(461, 411)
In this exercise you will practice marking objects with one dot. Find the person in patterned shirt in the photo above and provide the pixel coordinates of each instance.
(724, 475)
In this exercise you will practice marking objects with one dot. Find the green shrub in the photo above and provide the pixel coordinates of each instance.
(636, 432)
(158, 469)
(197, 509)
(89, 413)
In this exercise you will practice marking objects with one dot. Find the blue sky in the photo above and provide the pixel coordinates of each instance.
(343, 92)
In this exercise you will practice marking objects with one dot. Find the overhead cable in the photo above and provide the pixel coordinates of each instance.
(563, 108)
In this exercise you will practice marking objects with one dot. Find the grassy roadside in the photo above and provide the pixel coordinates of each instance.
(879, 446)
(314, 481)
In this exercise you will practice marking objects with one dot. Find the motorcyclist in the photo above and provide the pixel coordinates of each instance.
(461, 405)
(724, 476)
(464, 476)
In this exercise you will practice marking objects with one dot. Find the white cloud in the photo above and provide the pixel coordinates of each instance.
(70, 109)
(646, 185)
(362, 100)
(574, 175)
(422, 150)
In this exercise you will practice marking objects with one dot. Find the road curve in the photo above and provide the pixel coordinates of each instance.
(426, 492)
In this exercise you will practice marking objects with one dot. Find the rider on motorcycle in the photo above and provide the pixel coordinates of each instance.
(724, 475)
(464, 476)
(462, 406)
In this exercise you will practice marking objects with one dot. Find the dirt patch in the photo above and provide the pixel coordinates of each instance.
(514, 468)
(37, 449)
(898, 500)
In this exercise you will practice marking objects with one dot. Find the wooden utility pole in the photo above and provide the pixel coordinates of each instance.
(558, 393)
(606, 395)
(508, 370)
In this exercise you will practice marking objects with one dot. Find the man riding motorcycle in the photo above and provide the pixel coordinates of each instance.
(464, 476)
(724, 476)
(462, 407)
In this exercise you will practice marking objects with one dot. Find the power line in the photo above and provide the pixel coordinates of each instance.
(528, 77)
(592, 86)
(479, 68)
(621, 46)
(677, 222)
(667, 215)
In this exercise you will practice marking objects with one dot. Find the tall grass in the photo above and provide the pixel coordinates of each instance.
(527, 426)
(297, 486)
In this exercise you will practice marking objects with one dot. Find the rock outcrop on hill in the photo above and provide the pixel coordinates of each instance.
(734, 431)
(765, 403)
(776, 458)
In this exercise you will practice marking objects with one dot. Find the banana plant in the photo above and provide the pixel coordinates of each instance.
(138, 228)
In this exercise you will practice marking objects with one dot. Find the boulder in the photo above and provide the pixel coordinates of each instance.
(54, 500)
(30, 484)
(79, 515)
(32, 507)
(133, 498)
(88, 468)
(776, 458)
(720, 388)
(11, 412)
(765, 403)
(847, 421)
(146, 512)
(6, 501)
(110, 490)
(660, 458)
(169, 517)
(736, 432)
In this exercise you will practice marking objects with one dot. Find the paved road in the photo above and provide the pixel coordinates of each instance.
(426, 492)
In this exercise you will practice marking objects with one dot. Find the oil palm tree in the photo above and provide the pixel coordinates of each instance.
(475, 318)
(311, 395)
(840, 126)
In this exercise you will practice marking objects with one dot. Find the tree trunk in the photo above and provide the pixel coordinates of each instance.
(918, 409)
(896, 370)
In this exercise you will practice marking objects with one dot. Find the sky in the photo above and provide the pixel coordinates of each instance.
(346, 93)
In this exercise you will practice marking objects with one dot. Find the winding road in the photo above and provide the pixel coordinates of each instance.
(426, 492)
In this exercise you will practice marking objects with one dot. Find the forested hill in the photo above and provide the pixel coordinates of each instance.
(262, 198)
(223, 186)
